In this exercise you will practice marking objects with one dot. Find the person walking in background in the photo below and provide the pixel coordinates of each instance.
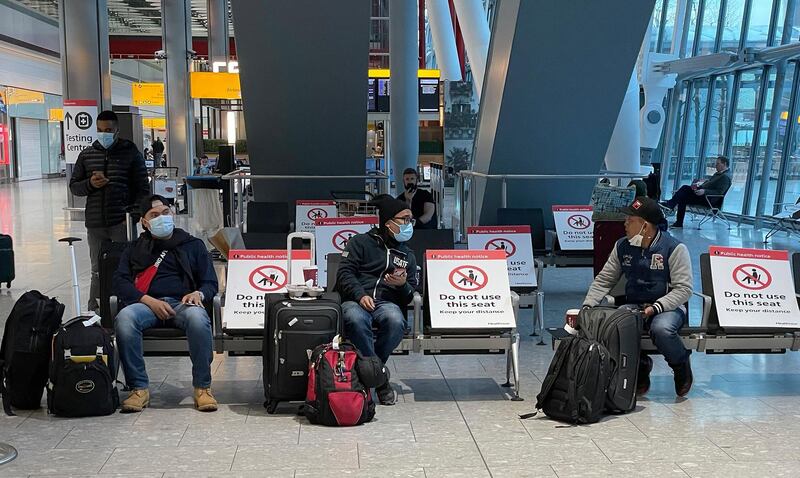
(111, 174)
(158, 149)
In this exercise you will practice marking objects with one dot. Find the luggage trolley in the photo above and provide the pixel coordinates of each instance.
(354, 203)
(165, 183)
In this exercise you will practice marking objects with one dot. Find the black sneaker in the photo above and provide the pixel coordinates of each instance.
(683, 378)
(665, 205)
(643, 379)
(386, 394)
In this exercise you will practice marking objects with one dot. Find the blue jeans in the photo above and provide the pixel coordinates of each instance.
(664, 329)
(193, 320)
(387, 318)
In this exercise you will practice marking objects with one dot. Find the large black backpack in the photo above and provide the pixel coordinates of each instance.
(82, 383)
(574, 389)
(620, 330)
(25, 350)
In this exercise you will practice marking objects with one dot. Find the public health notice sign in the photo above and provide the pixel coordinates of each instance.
(753, 288)
(252, 274)
(332, 235)
(469, 289)
(515, 241)
(574, 227)
(306, 212)
(80, 130)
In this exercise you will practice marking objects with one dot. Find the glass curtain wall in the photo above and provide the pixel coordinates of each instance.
(729, 112)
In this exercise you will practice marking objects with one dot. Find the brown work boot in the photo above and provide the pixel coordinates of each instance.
(136, 402)
(204, 401)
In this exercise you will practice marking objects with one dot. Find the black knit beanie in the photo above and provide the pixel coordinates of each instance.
(388, 208)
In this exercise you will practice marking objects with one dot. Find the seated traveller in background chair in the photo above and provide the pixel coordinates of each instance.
(658, 270)
(376, 279)
(700, 191)
(163, 279)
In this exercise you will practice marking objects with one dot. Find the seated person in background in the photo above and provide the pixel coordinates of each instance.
(716, 185)
(162, 280)
(419, 201)
(658, 271)
(377, 278)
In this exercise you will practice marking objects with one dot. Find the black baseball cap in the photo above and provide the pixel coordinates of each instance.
(646, 208)
(149, 202)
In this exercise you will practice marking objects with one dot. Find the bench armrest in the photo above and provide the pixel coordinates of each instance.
(707, 303)
(416, 319)
(539, 272)
(113, 307)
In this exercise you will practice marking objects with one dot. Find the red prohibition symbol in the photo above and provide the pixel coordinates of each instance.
(317, 213)
(752, 277)
(501, 244)
(268, 278)
(578, 221)
(340, 238)
(468, 278)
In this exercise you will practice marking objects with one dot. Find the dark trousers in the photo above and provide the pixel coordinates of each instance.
(682, 198)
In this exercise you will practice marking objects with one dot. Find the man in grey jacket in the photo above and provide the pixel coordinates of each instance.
(658, 273)
(716, 185)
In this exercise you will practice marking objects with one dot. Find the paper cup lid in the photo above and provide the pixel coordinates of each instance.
(573, 311)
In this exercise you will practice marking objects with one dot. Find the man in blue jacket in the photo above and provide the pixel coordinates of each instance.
(376, 279)
(163, 280)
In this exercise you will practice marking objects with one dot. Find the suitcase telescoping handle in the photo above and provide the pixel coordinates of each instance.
(300, 235)
(76, 290)
(132, 231)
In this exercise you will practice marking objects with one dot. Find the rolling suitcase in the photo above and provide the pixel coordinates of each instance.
(293, 329)
(6, 260)
(620, 331)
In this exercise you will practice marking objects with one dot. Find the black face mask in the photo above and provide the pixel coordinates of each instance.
(410, 187)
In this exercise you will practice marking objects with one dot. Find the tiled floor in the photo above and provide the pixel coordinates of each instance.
(741, 419)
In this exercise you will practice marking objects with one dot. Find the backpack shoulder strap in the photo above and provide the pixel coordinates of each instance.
(3, 389)
(550, 379)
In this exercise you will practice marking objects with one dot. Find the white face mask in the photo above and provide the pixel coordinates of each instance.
(636, 241)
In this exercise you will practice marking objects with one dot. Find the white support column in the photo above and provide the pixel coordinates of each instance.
(444, 39)
(475, 28)
(176, 24)
(623, 150)
(218, 40)
(404, 96)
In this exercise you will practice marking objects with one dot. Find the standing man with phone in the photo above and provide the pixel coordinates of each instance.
(419, 201)
(112, 176)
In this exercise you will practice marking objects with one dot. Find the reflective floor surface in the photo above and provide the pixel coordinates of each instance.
(453, 419)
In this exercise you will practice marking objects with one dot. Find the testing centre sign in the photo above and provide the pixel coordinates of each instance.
(332, 235)
(574, 227)
(80, 130)
(515, 242)
(252, 274)
(469, 289)
(753, 288)
(306, 212)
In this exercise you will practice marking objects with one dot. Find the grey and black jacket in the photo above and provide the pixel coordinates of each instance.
(718, 184)
(365, 261)
(124, 167)
(660, 275)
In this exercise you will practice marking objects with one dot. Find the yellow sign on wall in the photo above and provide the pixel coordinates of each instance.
(56, 114)
(385, 73)
(16, 96)
(206, 84)
(154, 123)
(147, 94)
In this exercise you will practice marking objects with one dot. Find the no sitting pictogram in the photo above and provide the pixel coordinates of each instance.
(340, 238)
(501, 244)
(317, 213)
(578, 221)
(268, 278)
(468, 278)
(752, 277)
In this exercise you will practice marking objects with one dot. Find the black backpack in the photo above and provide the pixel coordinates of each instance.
(82, 383)
(25, 350)
(574, 389)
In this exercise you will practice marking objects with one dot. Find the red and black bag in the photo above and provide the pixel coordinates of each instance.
(336, 395)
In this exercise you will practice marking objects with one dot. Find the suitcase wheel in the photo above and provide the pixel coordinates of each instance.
(271, 406)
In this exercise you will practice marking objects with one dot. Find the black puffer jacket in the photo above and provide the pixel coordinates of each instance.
(124, 167)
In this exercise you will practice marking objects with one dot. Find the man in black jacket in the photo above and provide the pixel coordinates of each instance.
(716, 185)
(377, 279)
(163, 279)
(112, 175)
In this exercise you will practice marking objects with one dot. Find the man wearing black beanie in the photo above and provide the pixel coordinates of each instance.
(377, 279)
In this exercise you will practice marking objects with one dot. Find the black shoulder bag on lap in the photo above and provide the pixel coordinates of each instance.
(25, 350)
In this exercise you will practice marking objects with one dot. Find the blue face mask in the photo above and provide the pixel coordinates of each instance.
(162, 226)
(405, 233)
(106, 139)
